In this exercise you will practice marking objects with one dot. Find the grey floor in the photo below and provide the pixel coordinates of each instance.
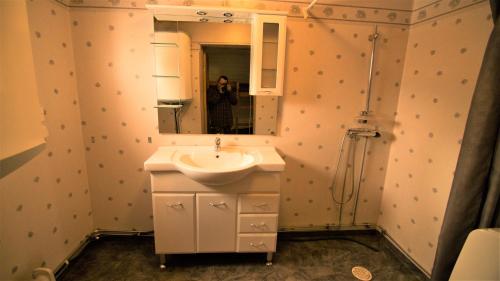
(133, 258)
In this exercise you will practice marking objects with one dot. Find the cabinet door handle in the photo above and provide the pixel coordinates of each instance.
(217, 204)
(261, 225)
(260, 205)
(175, 205)
(260, 244)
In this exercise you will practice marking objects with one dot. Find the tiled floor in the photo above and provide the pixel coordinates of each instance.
(133, 258)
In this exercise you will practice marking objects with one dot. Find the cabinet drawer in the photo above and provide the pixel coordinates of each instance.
(259, 203)
(174, 223)
(257, 242)
(257, 223)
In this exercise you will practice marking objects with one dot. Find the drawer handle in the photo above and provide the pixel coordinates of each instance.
(260, 205)
(217, 204)
(175, 205)
(261, 225)
(260, 244)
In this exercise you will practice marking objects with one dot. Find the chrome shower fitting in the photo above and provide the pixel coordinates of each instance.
(354, 135)
(363, 132)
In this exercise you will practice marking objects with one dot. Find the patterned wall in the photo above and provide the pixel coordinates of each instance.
(45, 209)
(326, 73)
(325, 87)
(442, 63)
(393, 12)
(374, 11)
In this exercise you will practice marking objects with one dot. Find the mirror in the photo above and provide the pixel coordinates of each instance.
(213, 76)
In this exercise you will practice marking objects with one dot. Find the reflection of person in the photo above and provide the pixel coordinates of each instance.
(219, 100)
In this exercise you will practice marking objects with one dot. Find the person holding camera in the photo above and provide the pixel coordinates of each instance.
(220, 98)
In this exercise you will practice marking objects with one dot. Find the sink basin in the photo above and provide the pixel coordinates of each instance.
(210, 167)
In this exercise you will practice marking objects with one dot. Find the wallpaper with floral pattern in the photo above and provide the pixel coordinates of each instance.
(424, 76)
(45, 210)
(443, 57)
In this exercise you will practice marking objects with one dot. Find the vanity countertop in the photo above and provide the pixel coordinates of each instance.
(162, 158)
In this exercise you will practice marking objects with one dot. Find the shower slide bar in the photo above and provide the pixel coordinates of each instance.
(373, 38)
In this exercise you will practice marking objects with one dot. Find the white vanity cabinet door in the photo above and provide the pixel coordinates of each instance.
(174, 223)
(216, 215)
(267, 55)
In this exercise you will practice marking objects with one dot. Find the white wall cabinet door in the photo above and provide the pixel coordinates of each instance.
(174, 223)
(216, 215)
(267, 55)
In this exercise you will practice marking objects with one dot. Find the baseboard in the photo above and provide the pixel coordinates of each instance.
(283, 231)
(94, 235)
(396, 248)
(326, 228)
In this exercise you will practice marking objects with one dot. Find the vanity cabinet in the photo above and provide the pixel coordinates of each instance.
(267, 56)
(190, 217)
(191, 214)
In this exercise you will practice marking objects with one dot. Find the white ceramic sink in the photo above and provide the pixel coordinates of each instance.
(216, 167)
(209, 167)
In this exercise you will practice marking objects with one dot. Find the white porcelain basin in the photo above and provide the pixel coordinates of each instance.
(210, 167)
(201, 163)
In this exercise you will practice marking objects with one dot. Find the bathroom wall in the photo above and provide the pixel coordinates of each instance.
(325, 87)
(47, 204)
(442, 63)
(45, 209)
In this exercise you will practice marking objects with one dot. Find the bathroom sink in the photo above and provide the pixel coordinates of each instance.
(211, 167)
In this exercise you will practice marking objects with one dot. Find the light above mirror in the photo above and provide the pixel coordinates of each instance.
(211, 13)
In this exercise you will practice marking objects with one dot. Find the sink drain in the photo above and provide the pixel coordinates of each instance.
(361, 273)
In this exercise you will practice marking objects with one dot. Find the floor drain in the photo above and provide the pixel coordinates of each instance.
(361, 273)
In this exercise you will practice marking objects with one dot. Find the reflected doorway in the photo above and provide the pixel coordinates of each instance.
(229, 108)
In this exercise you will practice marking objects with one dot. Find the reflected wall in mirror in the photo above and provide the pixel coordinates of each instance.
(213, 104)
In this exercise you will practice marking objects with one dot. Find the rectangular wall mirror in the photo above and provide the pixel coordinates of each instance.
(203, 80)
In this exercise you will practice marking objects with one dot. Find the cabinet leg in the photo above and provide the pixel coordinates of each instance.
(269, 259)
(163, 262)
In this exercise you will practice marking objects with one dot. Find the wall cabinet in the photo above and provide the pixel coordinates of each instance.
(190, 217)
(268, 39)
(267, 58)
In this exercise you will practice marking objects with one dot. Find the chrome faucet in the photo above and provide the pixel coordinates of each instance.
(217, 144)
